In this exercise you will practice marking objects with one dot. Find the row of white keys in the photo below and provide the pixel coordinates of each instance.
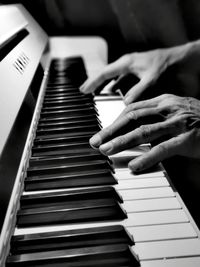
(154, 243)
(156, 218)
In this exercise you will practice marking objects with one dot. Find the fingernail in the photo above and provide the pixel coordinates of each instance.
(135, 167)
(127, 100)
(106, 148)
(95, 141)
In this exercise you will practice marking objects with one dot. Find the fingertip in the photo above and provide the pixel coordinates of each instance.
(95, 141)
(127, 101)
(135, 166)
(106, 148)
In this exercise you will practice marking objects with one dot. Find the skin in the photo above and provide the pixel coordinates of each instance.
(178, 122)
(173, 119)
(148, 67)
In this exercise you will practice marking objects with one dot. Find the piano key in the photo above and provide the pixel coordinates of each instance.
(109, 256)
(179, 262)
(82, 211)
(162, 232)
(71, 239)
(72, 101)
(168, 249)
(95, 178)
(126, 174)
(59, 140)
(151, 204)
(59, 167)
(68, 113)
(133, 220)
(60, 149)
(54, 125)
(72, 169)
(68, 130)
(142, 183)
(67, 196)
(75, 119)
(147, 193)
(49, 96)
(67, 84)
(35, 162)
(65, 107)
(68, 97)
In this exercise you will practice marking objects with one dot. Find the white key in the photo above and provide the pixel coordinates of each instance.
(182, 262)
(168, 249)
(156, 217)
(134, 219)
(124, 174)
(146, 193)
(151, 204)
(162, 232)
(143, 183)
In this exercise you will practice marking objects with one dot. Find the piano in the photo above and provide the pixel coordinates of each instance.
(64, 203)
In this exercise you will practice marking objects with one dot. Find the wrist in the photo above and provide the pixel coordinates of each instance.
(183, 53)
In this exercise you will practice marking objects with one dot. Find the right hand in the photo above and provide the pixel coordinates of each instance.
(147, 66)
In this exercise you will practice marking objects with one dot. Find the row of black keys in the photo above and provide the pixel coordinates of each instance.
(62, 158)
(63, 153)
(101, 246)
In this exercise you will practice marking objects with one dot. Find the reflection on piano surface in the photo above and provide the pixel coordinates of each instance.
(70, 205)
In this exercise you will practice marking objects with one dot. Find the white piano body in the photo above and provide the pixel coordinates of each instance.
(165, 234)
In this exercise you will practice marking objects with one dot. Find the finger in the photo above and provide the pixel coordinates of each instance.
(141, 135)
(122, 124)
(108, 133)
(158, 153)
(148, 104)
(114, 69)
(134, 93)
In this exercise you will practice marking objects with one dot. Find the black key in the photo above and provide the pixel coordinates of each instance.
(75, 212)
(119, 255)
(67, 107)
(67, 197)
(61, 89)
(64, 123)
(36, 162)
(52, 95)
(68, 118)
(62, 149)
(68, 97)
(72, 102)
(68, 131)
(95, 178)
(61, 140)
(68, 113)
(69, 239)
(75, 168)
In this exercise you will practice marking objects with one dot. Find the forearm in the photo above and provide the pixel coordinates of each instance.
(187, 55)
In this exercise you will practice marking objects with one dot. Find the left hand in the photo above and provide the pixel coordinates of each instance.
(178, 121)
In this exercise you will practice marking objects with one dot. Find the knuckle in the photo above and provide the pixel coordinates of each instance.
(108, 131)
(132, 115)
(163, 150)
(120, 141)
(144, 132)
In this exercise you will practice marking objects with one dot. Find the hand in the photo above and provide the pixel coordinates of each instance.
(147, 66)
(178, 120)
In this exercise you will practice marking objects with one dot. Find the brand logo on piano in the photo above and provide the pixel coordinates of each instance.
(21, 63)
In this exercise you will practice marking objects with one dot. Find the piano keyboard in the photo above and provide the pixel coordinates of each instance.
(79, 208)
